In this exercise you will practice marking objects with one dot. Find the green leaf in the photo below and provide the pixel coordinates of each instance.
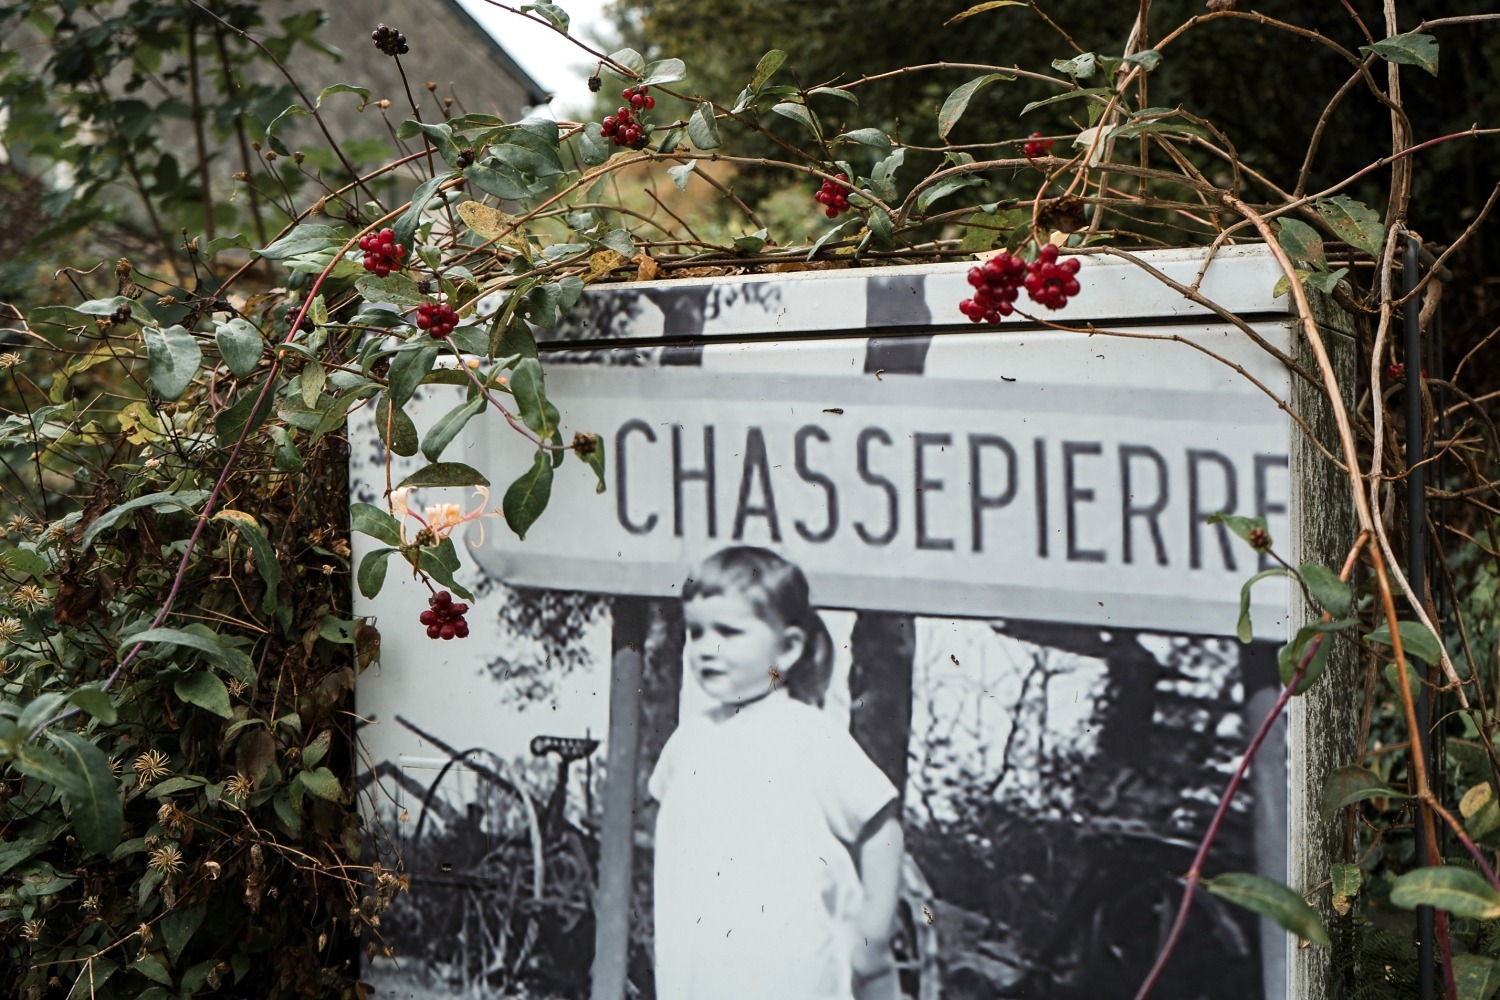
(444, 474)
(179, 926)
(372, 571)
(1413, 681)
(203, 689)
(448, 426)
(306, 239)
(395, 288)
(1325, 281)
(818, 245)
(376, 523)
(240, 345)
(231, 422)
(797, 113)
(1244, 628)
(843, 95)
(172, 357)
(592, 456)
(664, 71)
(322, 783)
(943, 189)
(13, 852)
(1241, 526)
(1292, 653)
(317, 749)
(406, 226)
(1350, 784)
(95, 702)
(394, 427)
(92, 976)
(766, 68)
(98, 816)
(958, 101)
(1332, 594)
(1080, 67)
(1270, 898)
(505, 184)
(40, 709)
(344, 88)
(44, 766)
(703, 128)
(593, 148)
(409, 367)
(1410, 49)
(1416, 640)
(231, 660)
(1147, 59)
(1460, 891)
(1356, 224)
(150, 966)
(1067, 96)
(752, 244)
(527, 382)
(1475, 976)
(554, 15)
(1301, 242)
(527, 497)
(1346, 880)
(184, 501)
(681, 172)
(265, 553)
(440, 561)
(340, 631)
(239, 241)
(633, 62)
(883, 177)
(441, 137)
(866, 137)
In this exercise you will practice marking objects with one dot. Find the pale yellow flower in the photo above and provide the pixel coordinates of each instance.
(166, 859)
(239, 787)
(439, 520)
(9, 359)
(30, 596)
(31, 930)
(9, 629)
(151, 765)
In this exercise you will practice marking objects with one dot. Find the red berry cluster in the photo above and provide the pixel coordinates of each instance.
(834, 196)
(1050, 283)
(437, 318)
(998, 281)
(445, 619)
(622, 126)
(1037, 146)
(382, 253)
(1397, 372)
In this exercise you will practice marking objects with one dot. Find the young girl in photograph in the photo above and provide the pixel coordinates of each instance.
(778, 841)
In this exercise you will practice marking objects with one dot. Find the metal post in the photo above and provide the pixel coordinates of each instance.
(1416, 561)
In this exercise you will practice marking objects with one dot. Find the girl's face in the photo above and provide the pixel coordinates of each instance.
(733, 651)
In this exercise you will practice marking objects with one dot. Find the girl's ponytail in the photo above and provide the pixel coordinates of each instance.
(808, 679)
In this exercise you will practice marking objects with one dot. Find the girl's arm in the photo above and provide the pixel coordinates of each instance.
(879, 853)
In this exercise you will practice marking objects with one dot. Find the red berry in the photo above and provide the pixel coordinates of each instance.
(448, 631)
(461, 629)
(627, 93)
(637, 101)
(650, 103)
(433, 631)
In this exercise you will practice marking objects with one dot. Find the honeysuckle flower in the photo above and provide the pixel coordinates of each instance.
(439, 520)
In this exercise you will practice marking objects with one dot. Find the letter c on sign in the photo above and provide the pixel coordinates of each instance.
(622, 509)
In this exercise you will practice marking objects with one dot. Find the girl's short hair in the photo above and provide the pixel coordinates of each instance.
(776, 588)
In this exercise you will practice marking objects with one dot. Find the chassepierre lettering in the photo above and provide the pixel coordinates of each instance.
(963, 491)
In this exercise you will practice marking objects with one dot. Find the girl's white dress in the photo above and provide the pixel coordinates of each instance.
(756, 890)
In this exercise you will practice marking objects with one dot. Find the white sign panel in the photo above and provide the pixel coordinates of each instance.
(1029, 684)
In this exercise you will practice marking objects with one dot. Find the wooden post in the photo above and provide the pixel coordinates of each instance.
(617, 836)
(1321, 724)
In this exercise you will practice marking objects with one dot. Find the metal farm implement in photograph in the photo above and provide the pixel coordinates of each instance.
(501, 892)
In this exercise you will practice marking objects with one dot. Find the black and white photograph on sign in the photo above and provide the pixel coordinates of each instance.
(884, 667)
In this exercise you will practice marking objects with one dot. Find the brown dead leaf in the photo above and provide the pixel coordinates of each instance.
(647, 268)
